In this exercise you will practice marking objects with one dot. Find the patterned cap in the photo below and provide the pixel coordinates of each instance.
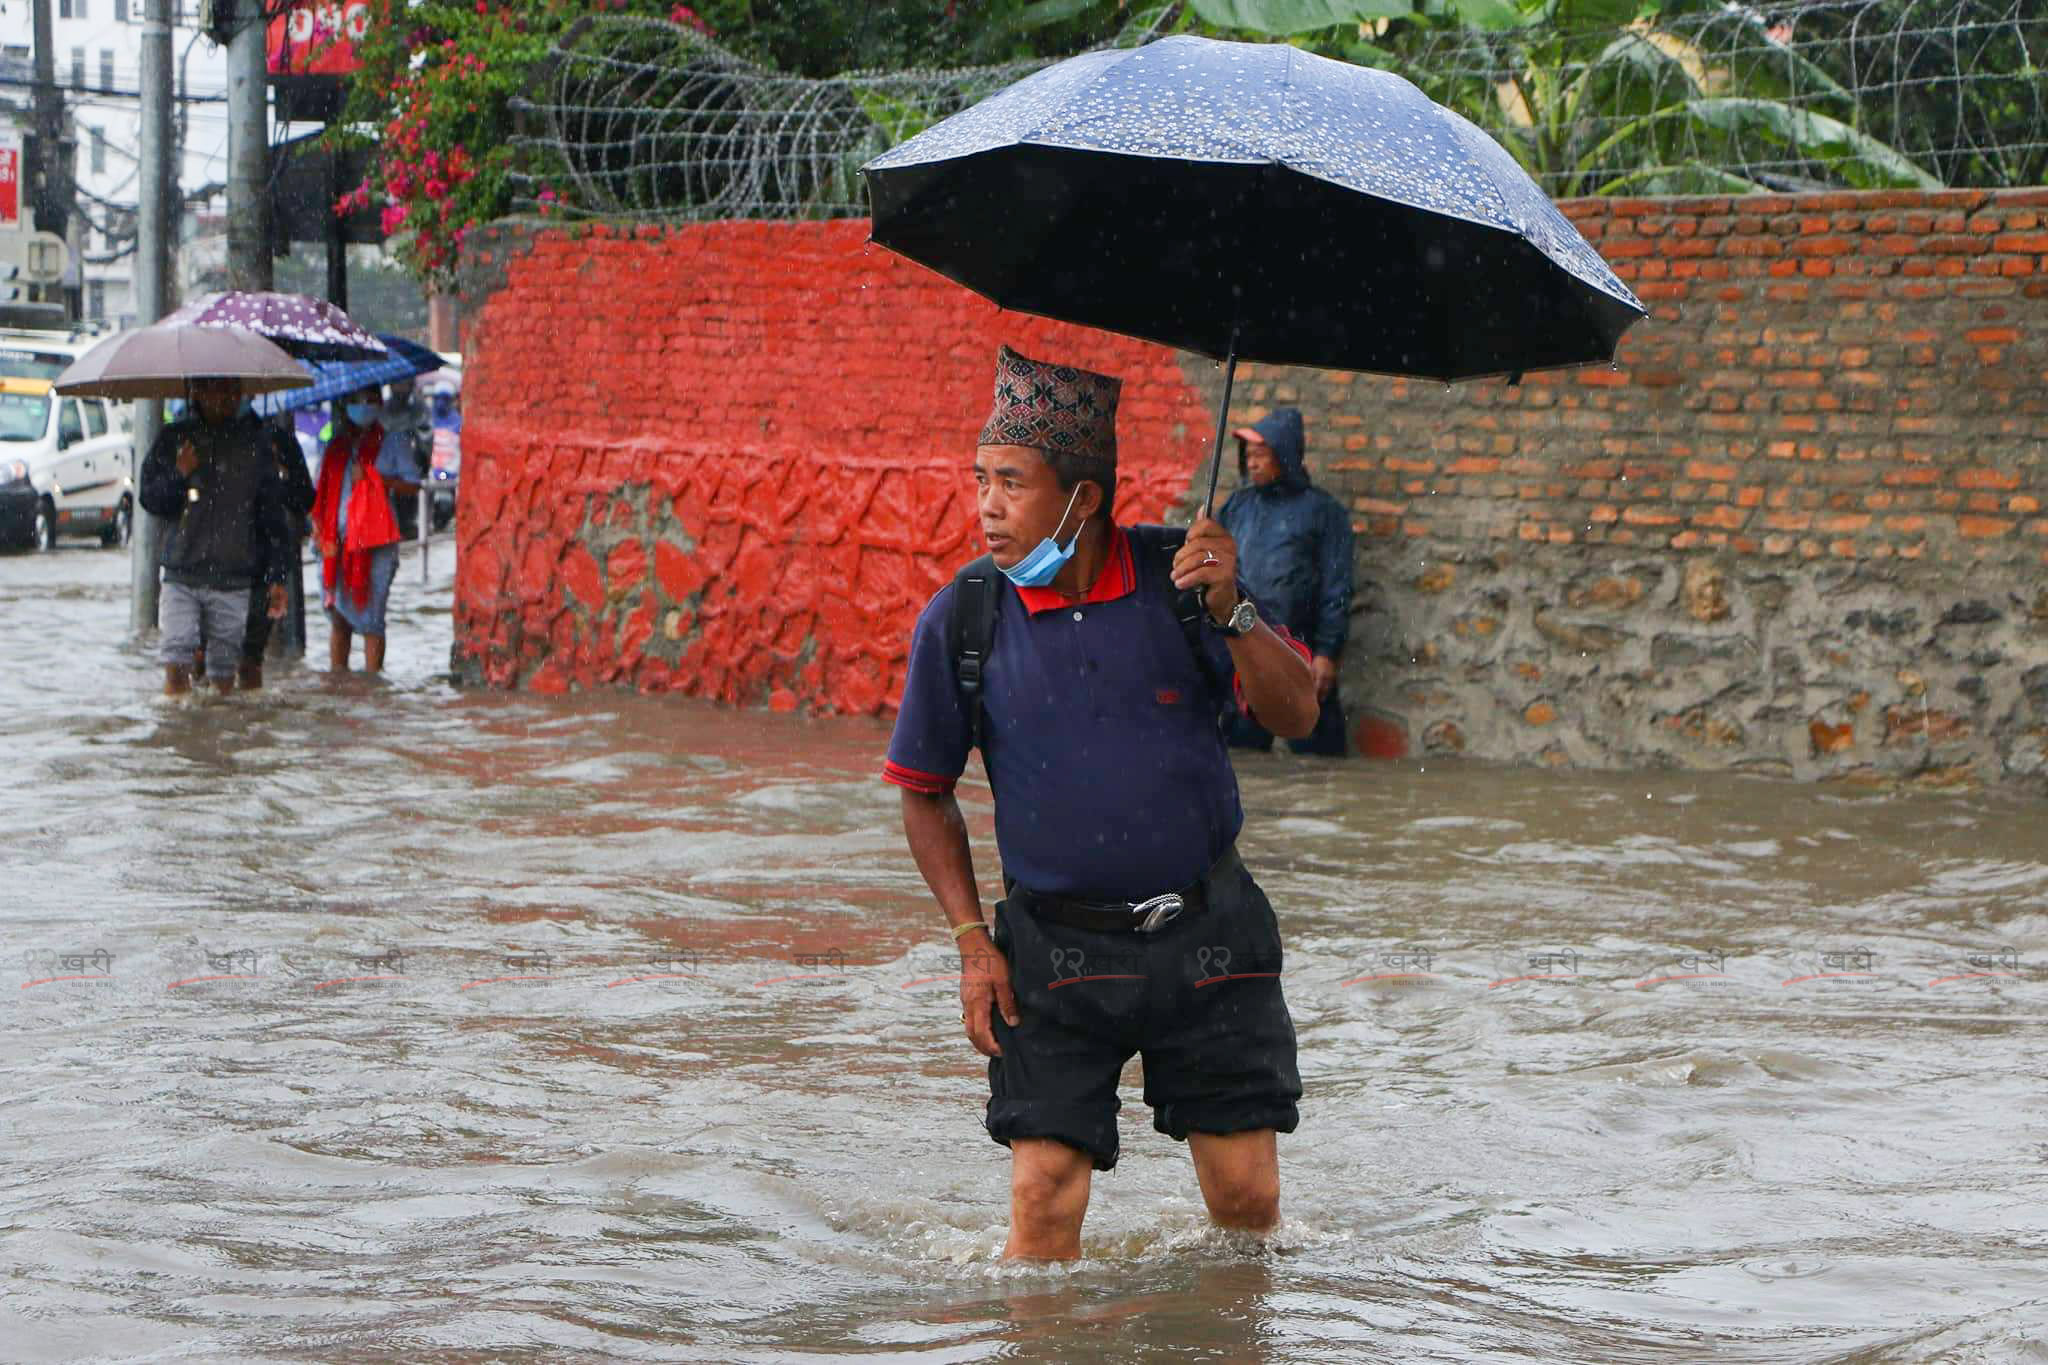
(1055, 408)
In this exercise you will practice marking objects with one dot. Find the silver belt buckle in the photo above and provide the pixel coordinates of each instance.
(1159, 911)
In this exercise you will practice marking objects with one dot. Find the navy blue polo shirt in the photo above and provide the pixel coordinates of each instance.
(1110, 776)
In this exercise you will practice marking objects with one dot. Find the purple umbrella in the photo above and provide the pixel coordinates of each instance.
(309, 328)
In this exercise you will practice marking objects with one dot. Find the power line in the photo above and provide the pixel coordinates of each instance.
(30, 83)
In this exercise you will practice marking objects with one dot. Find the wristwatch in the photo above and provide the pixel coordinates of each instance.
(1243, 618)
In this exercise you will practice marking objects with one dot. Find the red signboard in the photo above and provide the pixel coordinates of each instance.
(10, 178)
(318, 38)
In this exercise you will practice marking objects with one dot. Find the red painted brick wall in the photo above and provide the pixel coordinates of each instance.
(731, 459)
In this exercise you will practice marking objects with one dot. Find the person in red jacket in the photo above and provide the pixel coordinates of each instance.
(362, 469)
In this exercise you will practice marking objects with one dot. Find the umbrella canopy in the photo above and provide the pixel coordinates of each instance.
(1248, 200)
(159, 360)
(338, 379)
(306, 327)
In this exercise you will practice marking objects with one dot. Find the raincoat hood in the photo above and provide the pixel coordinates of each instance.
(1280, 430)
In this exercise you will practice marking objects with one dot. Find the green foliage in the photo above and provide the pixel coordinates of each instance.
(1594, 96)
(1285, 18)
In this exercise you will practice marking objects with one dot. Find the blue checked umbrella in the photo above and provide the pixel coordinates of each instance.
(339, 378)
(1252, 201)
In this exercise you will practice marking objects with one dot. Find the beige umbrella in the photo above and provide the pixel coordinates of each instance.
(159, 360)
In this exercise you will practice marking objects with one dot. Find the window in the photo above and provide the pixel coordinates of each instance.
(95, 299)
(95, 412)
(99, 150)
(120, 11)
(78, 68)
(106, 68)
(70, 430)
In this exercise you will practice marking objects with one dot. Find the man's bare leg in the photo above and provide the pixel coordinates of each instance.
(1240, 1177)
(252, 674)
(373, 654)
(177, 680)
(338, 637)
(1048, 1199)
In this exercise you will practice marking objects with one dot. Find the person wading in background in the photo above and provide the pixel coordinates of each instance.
(362, 469)
(298, 503)
(211, 476)
(1294, 542)
(1117, 814)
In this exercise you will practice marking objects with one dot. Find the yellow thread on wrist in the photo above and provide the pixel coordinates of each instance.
(960, 930)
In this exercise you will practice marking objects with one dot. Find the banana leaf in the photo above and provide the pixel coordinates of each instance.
(1859, 159)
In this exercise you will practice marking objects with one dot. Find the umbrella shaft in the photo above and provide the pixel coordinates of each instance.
(1222, 425)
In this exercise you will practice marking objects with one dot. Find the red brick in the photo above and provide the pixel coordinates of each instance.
(1472, 464)
(1983, 528)
(1725, 517)
(1987, 478)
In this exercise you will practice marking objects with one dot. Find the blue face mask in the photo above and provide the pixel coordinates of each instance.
(361, 413)
(1042, 565)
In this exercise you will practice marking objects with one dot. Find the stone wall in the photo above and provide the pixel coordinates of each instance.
(1797, 529)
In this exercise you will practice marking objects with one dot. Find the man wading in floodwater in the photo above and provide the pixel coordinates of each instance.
(1129, 925)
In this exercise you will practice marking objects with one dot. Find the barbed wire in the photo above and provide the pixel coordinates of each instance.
(641, 118)
(644, 119)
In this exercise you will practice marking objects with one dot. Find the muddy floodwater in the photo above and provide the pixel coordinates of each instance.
(384, 1021)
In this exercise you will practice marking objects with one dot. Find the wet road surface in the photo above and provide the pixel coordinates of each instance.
(458, 1026)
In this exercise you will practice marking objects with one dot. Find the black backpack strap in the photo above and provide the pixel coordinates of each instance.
(1162, 543)
(970, 634)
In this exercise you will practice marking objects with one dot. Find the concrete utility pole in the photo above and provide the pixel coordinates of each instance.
(248, 150)
(54, 192)
(155, 227)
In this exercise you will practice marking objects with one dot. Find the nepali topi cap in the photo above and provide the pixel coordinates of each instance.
(1054, 408)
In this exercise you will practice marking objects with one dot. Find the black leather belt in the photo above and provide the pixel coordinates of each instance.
(1142, 917)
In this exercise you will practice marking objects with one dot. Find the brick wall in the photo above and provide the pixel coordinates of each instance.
(731, 460)
(1797, 529)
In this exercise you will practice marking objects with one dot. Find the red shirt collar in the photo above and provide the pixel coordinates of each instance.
(1116, 578)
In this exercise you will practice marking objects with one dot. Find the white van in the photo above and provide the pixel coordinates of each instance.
(67, 465)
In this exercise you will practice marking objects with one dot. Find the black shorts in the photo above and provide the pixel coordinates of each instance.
(1199, 1001)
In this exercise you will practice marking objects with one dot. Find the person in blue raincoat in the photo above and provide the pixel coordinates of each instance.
(1294, 551)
